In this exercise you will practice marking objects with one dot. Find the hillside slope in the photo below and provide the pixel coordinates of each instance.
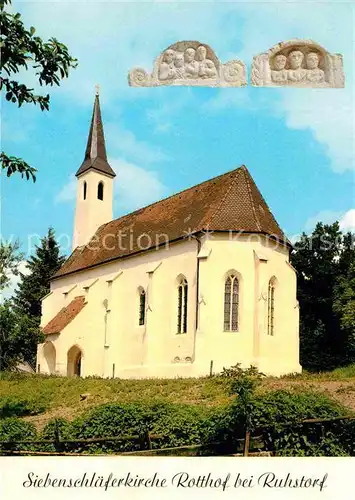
(51, 397)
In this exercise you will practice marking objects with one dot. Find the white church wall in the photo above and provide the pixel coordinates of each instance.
(114, 344)
(250, 344)
(129, 345)
(225, 348)
(279, 353)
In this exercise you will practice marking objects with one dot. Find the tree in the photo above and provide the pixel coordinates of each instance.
(344, 305)
(19, 336)
(321, 259)
(10, 257)
(35, 285)
(20, 48)
(20, 318)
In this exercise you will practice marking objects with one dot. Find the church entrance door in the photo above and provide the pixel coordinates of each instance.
(74, 361)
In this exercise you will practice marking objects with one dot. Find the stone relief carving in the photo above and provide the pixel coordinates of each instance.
(297, 63)
(190, 63)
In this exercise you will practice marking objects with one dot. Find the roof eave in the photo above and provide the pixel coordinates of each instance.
(192, 233)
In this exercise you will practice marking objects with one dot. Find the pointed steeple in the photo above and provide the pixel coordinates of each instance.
(95, 154)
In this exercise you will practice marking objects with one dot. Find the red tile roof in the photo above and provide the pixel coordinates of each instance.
(65, 316)
(229, 202)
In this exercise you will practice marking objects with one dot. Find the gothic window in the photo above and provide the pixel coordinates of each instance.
(142, 298)
(231, 303)
(271, 307)
(84, 190)
(100, 191)
(182, 306)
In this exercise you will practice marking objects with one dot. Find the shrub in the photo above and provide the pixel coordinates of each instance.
(175, 424)
(276, 416)
(15, 429)
(57, 429)
(178, 425)
(279, 413)
(12, 407)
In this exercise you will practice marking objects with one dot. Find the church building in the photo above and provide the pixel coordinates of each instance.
(183, 287)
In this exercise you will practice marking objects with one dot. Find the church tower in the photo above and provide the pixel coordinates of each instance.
(94, 195)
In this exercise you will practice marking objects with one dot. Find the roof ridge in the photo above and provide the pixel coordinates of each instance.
(174, 194)
(247, 179)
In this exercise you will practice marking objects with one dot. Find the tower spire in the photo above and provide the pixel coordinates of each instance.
(95, 154)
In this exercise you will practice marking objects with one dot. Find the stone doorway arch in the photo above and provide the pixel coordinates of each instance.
(74, 361)
(49, 354)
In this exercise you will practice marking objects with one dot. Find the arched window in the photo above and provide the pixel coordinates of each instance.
(142, 297)
(182, 306)
(271, 307)
(84, 190)
(100, 190)
(231, 303)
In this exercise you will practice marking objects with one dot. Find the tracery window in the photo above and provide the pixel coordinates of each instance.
(182, 306)
(231, 303)
(142, 297)
(271, 307)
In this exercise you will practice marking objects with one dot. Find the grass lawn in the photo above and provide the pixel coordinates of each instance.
(60, 396)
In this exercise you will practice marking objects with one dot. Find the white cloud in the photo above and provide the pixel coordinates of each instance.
(130, 147)
(325, 216)
(109, 41)
(135, 187)
(14, 280)
(229, 97)
(327, 113)
(68, 191)
(347, 221)
(105, 45)
(163, 114)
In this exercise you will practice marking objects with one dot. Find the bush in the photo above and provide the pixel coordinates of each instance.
(276, 416)
(178, 425)
(279, 412)
(15, 429)
(12, 407)
(175, 424)
(273, 415)
(57, 429)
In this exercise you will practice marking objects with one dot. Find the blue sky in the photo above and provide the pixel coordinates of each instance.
(299, 144)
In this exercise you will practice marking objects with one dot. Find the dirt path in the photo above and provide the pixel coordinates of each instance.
(342, 391)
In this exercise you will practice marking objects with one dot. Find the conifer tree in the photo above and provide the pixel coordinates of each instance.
(35, 285)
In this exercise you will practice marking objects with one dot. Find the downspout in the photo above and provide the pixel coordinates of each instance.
(106, 345)
(197, 306)
(146, 309)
